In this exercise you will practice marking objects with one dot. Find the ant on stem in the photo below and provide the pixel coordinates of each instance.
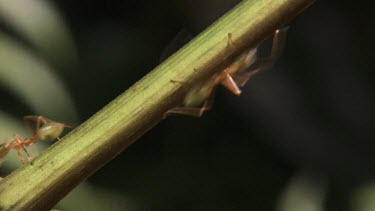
(45, 130)
(200, 97)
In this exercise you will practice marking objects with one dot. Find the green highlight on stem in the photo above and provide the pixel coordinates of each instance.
(40, 185)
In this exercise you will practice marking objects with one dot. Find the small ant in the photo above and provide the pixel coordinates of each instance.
(232, 77)
(46, 129)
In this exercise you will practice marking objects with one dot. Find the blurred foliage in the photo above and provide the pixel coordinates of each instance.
(313, 112)
(306, 192)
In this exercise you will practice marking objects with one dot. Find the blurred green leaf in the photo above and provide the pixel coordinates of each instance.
(33, 81)
(9, 124)
(40, 24)
(364, 197)
(87, 197)
(304, 193)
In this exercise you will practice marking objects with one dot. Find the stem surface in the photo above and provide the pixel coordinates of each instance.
(53, 174)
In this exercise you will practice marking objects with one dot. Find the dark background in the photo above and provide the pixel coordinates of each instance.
(310, 118)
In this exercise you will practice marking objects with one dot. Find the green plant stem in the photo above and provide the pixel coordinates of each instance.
(40, 185)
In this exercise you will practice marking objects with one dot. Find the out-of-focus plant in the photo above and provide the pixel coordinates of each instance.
(59, 169)
(36, 49)
(305, 192)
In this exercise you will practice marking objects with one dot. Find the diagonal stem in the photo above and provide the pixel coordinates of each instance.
(78, 155)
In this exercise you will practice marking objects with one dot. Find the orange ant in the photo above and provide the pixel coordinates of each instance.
(46, 129)
(232, 77)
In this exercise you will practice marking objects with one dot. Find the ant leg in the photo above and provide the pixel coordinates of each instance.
(278, 42)
(30, 123)
(44, 120)
(27, 153)
(19, 144)
(192, 111)
(40, 119)
(36, 118)
(20, 156)
(230, 84)
(238, 66)
(243, 77)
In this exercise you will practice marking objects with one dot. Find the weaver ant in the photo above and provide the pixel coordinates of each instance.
(45, 129)
(200, 97)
